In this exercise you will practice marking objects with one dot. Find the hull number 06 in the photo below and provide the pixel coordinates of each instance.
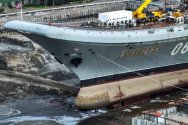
(180, 47)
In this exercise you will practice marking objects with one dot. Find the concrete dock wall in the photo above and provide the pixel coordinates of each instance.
(92, 96)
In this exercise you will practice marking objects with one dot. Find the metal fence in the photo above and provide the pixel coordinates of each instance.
(152, 119)
(66, 13)
(83, 13)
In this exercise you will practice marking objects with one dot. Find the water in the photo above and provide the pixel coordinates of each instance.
(48, 110)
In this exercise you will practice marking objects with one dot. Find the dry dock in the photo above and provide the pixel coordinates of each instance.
(105, 94)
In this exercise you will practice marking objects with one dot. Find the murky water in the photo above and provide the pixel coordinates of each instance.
(48, 110)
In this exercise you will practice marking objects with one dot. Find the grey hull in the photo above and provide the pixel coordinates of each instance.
(100, 60)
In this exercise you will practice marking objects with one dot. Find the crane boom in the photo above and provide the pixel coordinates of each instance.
(139, 12)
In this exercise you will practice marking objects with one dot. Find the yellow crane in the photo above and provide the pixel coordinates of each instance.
(177, 14)
(157, 14)
(139, 12)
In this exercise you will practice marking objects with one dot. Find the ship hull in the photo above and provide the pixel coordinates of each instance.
(103, 61)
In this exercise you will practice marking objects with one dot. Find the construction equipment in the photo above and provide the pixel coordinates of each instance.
(157, 14)
(150, 16)
(177, 14)
(139, 12)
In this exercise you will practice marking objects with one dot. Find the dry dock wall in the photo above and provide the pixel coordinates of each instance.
(97, 96)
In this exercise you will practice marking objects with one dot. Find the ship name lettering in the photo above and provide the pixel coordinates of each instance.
(139, 51)
(180, 47)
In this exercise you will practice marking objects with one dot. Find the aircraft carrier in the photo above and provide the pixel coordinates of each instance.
(92, 54)
(103, 54)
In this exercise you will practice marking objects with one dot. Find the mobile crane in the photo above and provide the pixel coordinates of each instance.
(138, 14)
(155, 15)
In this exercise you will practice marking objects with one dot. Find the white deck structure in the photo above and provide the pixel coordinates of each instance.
(116, 17)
